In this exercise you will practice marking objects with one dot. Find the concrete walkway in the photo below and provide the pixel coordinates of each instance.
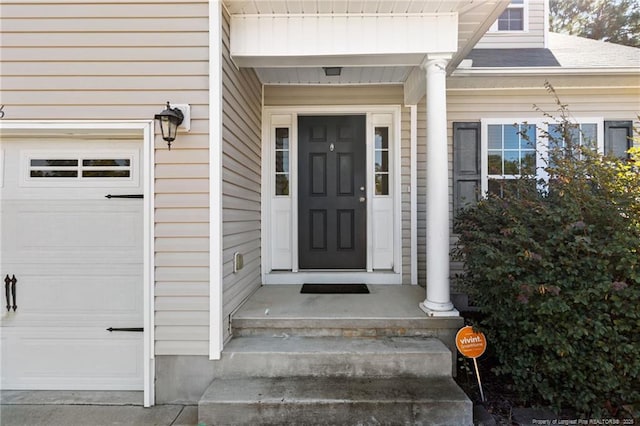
(71, 408)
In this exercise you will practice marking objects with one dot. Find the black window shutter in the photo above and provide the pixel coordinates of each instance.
(466, 164)
(617, 138)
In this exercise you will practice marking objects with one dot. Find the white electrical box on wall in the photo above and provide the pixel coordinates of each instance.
(238, 262)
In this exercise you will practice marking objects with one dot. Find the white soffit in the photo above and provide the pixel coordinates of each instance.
(350, 75)
(340, 40)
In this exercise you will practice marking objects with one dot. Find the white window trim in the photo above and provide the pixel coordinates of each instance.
(1, 168)
(541, 142)
(525, 19)
(145, 130)
(294, 276)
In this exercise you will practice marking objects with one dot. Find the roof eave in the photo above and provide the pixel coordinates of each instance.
(520, 71)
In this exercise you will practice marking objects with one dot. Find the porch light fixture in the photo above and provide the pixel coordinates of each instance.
(169, 120)
(332, 71)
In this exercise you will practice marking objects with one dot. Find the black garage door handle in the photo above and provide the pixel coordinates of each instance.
(10, 288)
(135, 329)
(110, 196)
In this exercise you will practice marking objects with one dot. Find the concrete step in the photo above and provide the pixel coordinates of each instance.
(389, 310)
(334, 401)
(300, 356)
(421, 326)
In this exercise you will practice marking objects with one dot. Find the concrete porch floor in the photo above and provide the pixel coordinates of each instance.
(385, 302)
(386, 310)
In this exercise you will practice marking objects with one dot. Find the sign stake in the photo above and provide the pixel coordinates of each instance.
(475, 363)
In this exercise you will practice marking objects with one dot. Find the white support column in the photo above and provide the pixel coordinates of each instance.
(438, 301)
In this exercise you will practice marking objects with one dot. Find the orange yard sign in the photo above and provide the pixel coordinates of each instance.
(470, 343)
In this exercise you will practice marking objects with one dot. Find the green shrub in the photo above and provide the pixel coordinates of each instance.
(555, 269)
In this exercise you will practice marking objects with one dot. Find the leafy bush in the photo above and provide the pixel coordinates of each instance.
(555, 267)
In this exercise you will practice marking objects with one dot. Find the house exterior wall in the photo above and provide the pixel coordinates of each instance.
(100, 60)
(532, 37)
(241, 174)
(360, 95)
(470, 99)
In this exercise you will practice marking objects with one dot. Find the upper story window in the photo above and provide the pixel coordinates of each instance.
(514, 18)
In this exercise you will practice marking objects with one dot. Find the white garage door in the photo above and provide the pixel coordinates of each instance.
(77, 261)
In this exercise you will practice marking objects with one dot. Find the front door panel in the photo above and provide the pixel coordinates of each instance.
(332, 203)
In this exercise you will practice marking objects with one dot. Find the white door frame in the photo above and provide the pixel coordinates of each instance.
(294, 276)
(145, 130)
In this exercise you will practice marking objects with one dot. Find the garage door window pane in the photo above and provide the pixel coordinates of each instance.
(106, 168)
(54, 163)
(53, 168)
(54, 173)
(105, 173)
(107, 162)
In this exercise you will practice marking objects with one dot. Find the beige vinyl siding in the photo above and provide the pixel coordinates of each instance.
(102, 60)
(532, 38)
(276, 95)
(332, 95)
(405, 184)
(422, 192)
(613, 103)
(241, 174)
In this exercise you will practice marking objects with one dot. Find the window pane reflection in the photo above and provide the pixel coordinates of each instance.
(282, 161)
(381, 158)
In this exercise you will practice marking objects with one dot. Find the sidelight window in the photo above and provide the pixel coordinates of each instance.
(282, 156)
(381, 159)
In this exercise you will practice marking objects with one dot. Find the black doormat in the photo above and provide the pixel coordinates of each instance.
(334, 289)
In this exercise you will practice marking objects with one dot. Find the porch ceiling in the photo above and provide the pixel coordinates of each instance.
(349, 75)
(253, 7)
(474, 19)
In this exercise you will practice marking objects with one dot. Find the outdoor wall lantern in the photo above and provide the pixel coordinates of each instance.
(169, 120)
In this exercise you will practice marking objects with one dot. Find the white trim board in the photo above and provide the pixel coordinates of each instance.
(287, 231)
(144, 129)
(266, 40)
(216, 321)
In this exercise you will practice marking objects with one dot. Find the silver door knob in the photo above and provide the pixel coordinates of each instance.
(363, 199)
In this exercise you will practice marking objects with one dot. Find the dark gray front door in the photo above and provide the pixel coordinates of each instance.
(331, 182)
